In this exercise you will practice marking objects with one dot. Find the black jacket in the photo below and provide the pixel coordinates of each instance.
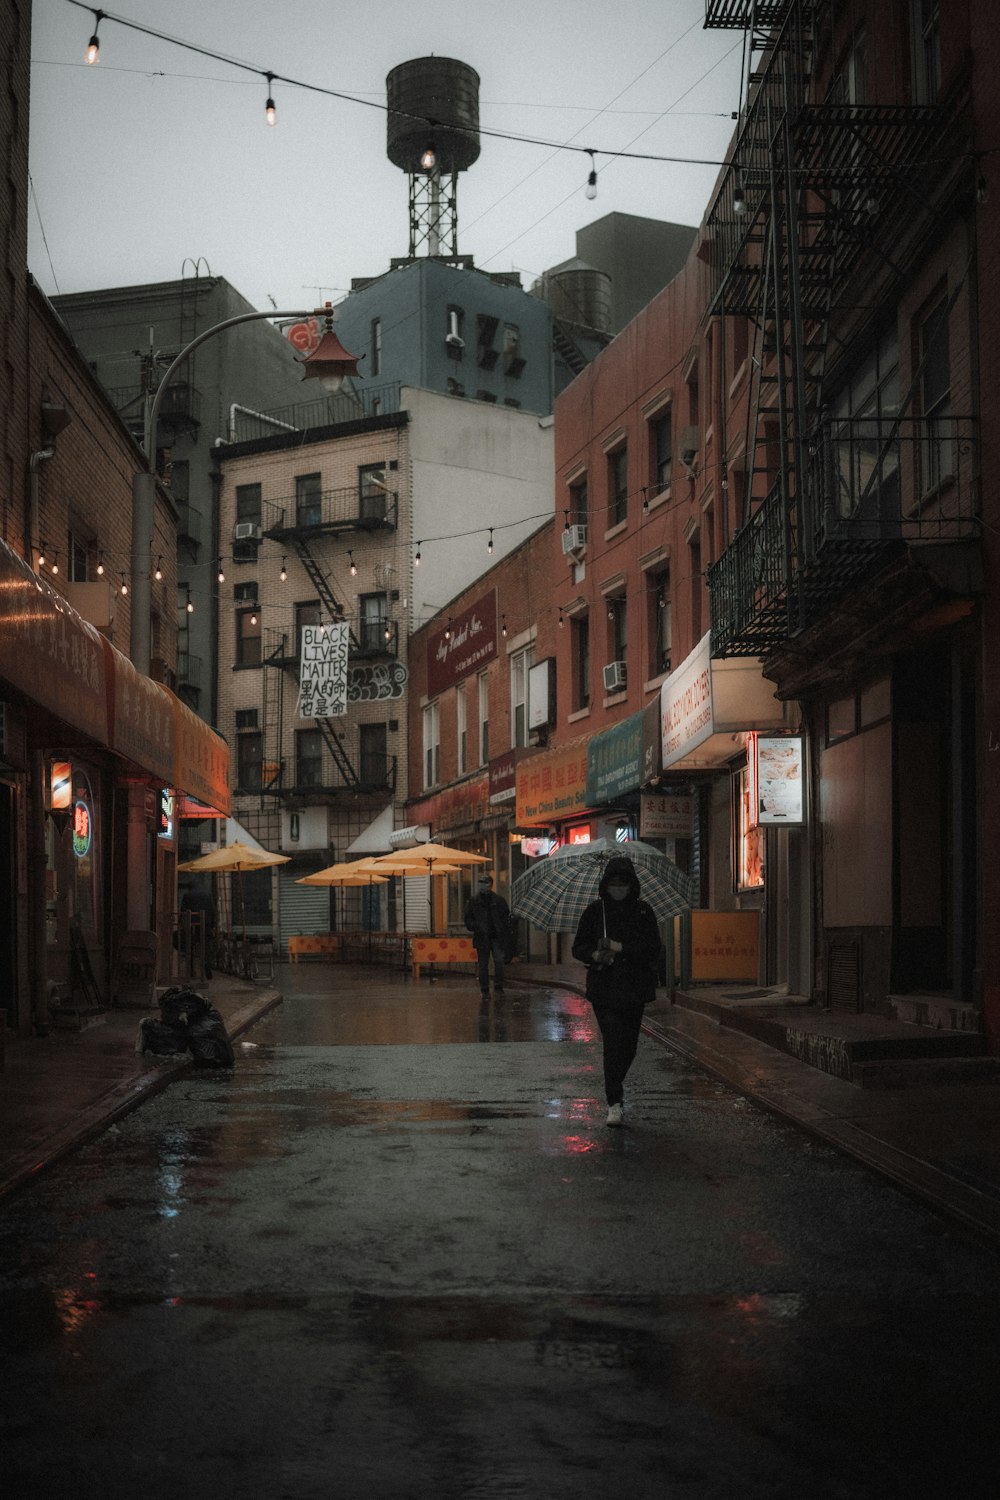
(628, 979)
(487, 916)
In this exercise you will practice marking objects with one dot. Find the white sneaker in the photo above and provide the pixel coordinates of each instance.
(615, 1115)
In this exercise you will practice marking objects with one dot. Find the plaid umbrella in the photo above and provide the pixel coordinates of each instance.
(556, 891)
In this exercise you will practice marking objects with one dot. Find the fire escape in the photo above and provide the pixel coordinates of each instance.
(824, 209)
(304, 528)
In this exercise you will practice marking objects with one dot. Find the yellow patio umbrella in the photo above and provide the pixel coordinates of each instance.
(429, 859)
(239, 857)
(347, 873)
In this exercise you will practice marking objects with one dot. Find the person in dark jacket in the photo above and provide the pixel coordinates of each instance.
(487, 917)
(619, 941)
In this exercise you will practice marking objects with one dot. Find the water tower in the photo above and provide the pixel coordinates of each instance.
(433, 134)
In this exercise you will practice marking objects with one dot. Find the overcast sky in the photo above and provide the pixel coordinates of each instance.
(158, 160)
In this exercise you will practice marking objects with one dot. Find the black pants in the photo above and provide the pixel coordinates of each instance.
(484, 948)
(620, 1032)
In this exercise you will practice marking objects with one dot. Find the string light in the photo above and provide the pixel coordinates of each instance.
(94, 45)
(354, 567)
(387, 632)
(41, 556)
(562, 622)
(503, 626)
(221, 573)
(283, 575)
(253, 616)
(123, 586)
(190, 603)
(447, 630)
(158, 570)
(428, 157)
(490, 546)
(416, 560)
(100, 565)
(590, 191)
(55, 562)
(270, 113)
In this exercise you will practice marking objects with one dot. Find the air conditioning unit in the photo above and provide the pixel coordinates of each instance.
(574, 539)
(246, 531)
(615, 677)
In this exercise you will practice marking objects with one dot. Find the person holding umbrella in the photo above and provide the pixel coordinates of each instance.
(619, 941)
(487, 917)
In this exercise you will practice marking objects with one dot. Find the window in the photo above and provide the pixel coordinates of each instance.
(461, 730)
(432, 745)
(372, 492)
(661, 447)
(617, 628)
(76, 559)
(617, 486)
(305, 614)
(374, 758)
(513, 361)
(247, 637)
(308, 500)
(692, 390)
(308, 757)
(374, 620)
(697, 589)
(866, 443)
(926, 32)
(520, 665)
(578, 502)
(180, 481)
(935, 397)
(484, 717)
(660, 621)
(486, 332)
(581, 661)
(249, 760)
(248, 503)
(375, 346)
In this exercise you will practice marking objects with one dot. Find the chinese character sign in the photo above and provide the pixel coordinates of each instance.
(323, 671)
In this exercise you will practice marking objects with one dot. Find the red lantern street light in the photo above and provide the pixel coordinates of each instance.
(330, 362)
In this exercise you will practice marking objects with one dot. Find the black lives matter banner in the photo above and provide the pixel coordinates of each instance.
(323, 671)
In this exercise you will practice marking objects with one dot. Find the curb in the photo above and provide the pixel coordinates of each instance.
(118, 1101)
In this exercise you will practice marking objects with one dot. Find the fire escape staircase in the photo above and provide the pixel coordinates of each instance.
(819, 202)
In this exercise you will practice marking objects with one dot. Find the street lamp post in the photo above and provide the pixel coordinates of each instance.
(330, 362)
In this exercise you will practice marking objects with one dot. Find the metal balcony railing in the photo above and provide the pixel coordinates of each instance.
(327, 511)
(188, 669)
(872, 483)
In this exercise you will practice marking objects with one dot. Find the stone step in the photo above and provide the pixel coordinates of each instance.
(926, 1072)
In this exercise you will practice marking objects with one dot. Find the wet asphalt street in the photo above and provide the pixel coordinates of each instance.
(396, 1253)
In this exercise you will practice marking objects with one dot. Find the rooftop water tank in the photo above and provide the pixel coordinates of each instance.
(433, 101)
(580, 294)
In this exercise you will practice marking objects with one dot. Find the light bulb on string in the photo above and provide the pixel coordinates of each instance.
(354, 566)
(221, 573)
(253, 617)
(55, 562)
(283, 575)
(447, 631)
(158, 570)
(190, 603)
(123, 587)
(503, 626)
(590, 191)
(270, 113)
(41, 556)
(562, 622)
(416, 560)
(100, 566)
(93, 53)
(490, 545)
(428, 157)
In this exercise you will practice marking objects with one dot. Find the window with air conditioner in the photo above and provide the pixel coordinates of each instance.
(574, 540)
(615, 677)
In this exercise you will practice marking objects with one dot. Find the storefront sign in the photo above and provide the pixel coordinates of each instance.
(615, 761)
(776, 778)
(468, 643)
(552, 786)
(201, 761)
(456, 807)
(83, 827)
(323, 671)
(686, 705)
(165, 813)
(666, 817)
(143, 728)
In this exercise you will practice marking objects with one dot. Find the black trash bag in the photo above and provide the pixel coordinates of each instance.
(161, 1038)
(180, 1005)
(209, 1040)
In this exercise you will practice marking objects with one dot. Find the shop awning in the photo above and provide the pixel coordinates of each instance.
(552, 785)
(55, 660)
(375, 838)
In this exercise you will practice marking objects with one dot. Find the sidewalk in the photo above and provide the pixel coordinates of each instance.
(58, 1091)
(939, 1141)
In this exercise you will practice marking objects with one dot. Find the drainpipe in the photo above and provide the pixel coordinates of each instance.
(31, 536)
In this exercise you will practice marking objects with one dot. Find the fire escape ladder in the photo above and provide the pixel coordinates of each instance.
(317, 577)
(341, 759)
(274, 655)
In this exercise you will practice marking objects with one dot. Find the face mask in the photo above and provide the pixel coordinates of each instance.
(618, 892)
(484, 887)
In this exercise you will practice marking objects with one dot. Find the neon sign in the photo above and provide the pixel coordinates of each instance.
(83, 828)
